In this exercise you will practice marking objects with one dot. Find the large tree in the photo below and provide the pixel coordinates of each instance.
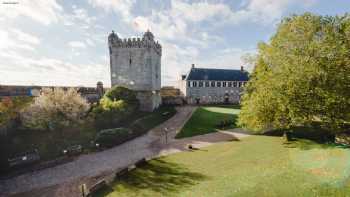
(301, 76)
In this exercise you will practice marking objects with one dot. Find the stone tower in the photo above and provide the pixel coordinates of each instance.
(136, 64)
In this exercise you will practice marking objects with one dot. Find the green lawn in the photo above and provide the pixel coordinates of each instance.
(205, 120)
(157, 117)
(255, 166)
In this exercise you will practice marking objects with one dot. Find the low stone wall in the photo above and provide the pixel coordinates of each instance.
(104, 181)
(171, 100)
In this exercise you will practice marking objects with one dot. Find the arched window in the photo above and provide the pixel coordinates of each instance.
(207, 84)
(212, 84)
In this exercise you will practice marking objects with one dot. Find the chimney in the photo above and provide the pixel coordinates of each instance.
(242, 68)
(192, 65)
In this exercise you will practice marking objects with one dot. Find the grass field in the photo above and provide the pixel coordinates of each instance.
(255, 166)
(205, 120)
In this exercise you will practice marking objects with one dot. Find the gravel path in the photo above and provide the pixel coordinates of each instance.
(94, 164)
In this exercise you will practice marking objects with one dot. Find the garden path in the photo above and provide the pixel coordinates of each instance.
(94, 164)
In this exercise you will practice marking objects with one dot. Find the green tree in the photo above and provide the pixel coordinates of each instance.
(301, 76)
(117, 105)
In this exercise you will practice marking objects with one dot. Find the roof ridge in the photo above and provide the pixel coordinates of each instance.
(216, 69)
(217, 74)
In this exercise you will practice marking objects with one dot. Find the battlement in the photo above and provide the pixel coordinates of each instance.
(147, 41)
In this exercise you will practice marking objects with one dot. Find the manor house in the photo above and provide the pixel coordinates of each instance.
(136, 64)
(207, 85)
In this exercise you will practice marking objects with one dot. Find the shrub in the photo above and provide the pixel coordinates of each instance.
(55, 108)
(113, 137)
(117, 105)
(138, 126)
(121, 93)
(10, 108)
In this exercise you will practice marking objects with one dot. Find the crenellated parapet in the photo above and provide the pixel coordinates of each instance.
(147, 41)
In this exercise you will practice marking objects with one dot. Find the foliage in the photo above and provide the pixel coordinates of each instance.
(117, 105)
(249, 60)
(152, 120)
(54, 109)
(301, 76)
(208, 119)
(254, 166)
(121, 93)
(113, 137)
(10, 108)
(49, 144)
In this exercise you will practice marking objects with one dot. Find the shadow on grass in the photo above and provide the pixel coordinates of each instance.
(305, 144)
(229, 105)
(157, 176)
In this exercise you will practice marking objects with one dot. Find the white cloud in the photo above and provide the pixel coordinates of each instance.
(90, 42)
(26, 37)
(199, 11)
(49, 71)
(77, 44)
(122, 7)
(42, 11)
(14, 39)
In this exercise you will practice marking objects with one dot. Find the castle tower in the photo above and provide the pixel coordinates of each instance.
(136, 64)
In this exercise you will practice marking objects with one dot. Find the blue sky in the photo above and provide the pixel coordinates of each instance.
(57, 42)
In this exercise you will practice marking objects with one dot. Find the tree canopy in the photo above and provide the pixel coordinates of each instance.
(301, 76)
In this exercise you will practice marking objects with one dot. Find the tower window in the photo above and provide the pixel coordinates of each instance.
(207, 84)
(212, 84)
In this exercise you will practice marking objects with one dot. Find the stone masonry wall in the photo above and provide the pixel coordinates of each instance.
(136, 64)
(213, 94)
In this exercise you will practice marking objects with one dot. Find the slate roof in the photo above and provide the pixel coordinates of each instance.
(217, 74)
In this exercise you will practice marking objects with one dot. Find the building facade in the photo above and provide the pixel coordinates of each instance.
(209, 86)
(136, 64)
